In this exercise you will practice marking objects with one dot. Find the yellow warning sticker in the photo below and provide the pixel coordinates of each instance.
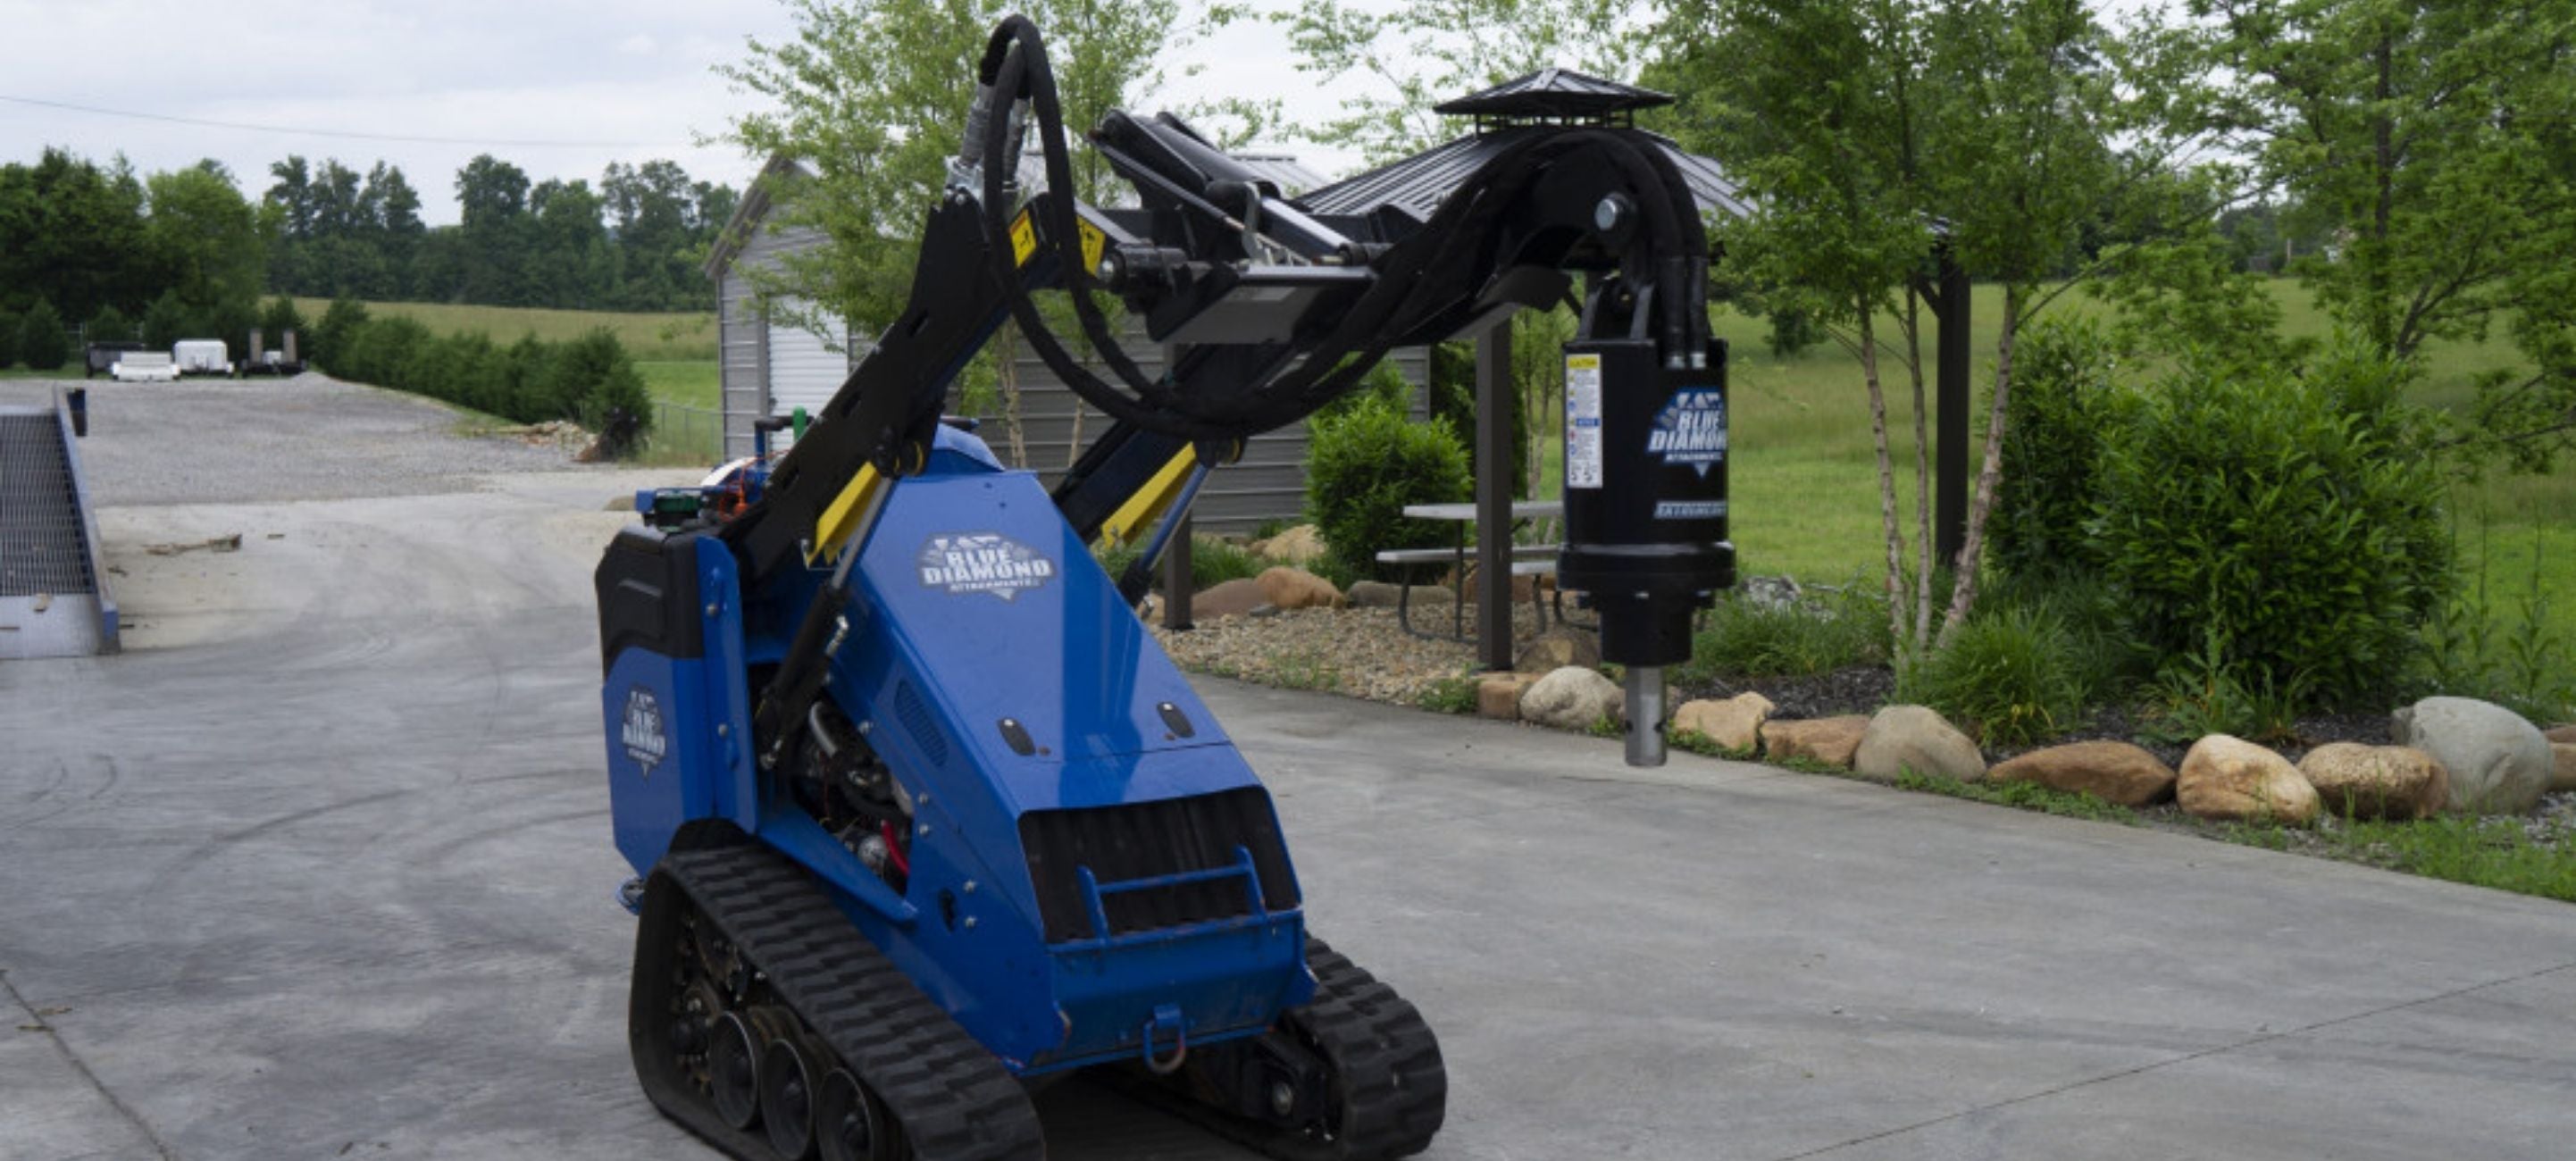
(1024, 238)
(1093, 241)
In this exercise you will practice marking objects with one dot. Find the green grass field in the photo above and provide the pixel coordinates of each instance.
(648, 337)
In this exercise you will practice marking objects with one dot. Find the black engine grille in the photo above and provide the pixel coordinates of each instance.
(1148, 839)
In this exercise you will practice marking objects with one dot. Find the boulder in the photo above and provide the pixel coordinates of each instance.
(2560, 735)
(1572, 698)
(2114, 772)
(1296, 588)
(1827, 740)
(1498, 695)
(1558, 648)
(1913, 737)
(2564, 779)
(1733, 724)
(2392, 782)
(1300, 545)
(2228, 779)
(1234, 598)
(2499, 763)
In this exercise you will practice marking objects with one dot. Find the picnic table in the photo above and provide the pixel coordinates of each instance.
(1526, 560)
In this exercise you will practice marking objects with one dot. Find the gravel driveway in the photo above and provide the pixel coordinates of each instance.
(310, 437)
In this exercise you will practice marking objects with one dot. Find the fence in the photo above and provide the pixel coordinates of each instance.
(682, 432)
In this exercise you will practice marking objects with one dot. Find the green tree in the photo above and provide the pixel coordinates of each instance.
(166, 321)
(206, 237)
(871, 94)
(280, 318)
(1393, 66)
(8, 339)
(111, 326)
(41, 341)
(73, 233)
(2436, 142)
(1821, 110)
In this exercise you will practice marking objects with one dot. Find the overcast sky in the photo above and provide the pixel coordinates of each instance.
(558, 87)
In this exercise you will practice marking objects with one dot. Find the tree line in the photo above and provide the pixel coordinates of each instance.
(80, 239)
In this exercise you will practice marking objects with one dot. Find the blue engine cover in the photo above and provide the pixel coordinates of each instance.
(1094, 867)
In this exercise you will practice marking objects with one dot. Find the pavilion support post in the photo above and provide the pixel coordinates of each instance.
(1176, 578)
(1494, 497)
(1951, 392)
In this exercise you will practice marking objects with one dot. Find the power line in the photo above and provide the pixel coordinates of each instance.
(339, 134)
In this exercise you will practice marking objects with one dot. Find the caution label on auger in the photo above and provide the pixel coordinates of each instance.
(983, 562)
(1583, 421)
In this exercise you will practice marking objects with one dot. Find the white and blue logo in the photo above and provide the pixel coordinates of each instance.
(983, 562)
(1691, 430)
(645, 740)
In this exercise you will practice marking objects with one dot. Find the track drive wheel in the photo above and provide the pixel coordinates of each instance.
(851, 1124)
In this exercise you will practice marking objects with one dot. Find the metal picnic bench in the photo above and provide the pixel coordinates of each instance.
(1527, 560)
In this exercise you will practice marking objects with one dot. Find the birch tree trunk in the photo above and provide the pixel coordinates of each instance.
(1923, 549)
(1990, 475)
(1886, 468)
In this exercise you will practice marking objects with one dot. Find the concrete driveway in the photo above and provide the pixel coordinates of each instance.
(321, 867)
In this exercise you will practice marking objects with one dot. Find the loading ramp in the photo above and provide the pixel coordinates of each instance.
(54, 600)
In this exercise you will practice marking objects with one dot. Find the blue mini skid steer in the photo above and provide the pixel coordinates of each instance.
(922, 817)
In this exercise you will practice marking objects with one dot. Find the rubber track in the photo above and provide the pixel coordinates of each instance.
(953, 1099)
(1398, 1089)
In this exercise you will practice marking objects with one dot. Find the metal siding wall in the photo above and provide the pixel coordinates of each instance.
(1269, 483)
(738, 354)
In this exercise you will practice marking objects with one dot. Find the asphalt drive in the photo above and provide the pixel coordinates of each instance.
(320, 867)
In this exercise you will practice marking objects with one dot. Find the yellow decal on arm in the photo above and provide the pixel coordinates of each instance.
(1024, 239)
(1093, 241)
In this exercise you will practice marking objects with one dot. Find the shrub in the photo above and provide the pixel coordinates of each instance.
(1212, 561)
(2062, 399)
(1739, 637)
(41, 342)
(111, 326)
(231, 320)
(380, 351)
(1364, 466)
(331, 337)
(1794, 330)
(2018, 675)
(591, 379)
(8, 338)
(2285, 521)
(281, 317)
(1383, 384)
(165, 322)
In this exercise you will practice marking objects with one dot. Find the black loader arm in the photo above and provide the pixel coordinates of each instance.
(1267, 307)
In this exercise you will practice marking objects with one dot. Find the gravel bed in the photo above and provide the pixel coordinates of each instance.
(1360, 652)
(309, 437)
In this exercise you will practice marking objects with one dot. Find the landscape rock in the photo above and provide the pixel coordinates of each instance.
(2499, 763)
(1831, 741)
(2400, 783)
(2560, 735)
(1300, 545)
(1913, 737)
(2115, 772)
(2227, 779)
(2564, 779)
(1732, 724)
(1232, 598)
(1571, 698)
(1296, 588)
(1558, 648)
(1498, 695)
